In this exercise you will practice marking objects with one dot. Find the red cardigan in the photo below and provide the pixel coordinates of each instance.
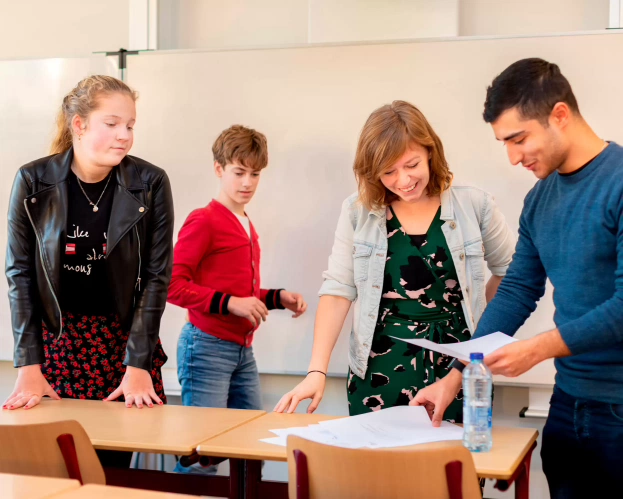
(214, 259)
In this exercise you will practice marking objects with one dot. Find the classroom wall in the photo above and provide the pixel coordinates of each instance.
(210, 23)
(354, 20)
(40, 28)
(195, 24)
(61, 28)
(523, 17)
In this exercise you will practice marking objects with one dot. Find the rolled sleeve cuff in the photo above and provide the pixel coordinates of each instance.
(332, 287)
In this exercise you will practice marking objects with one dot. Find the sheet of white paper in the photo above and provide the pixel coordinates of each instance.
(393, 427)
(485, 345)
(314, 433)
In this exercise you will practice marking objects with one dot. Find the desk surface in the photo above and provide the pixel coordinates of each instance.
(167, 429)
(33, 487)
(510, 445)
(245, 444)
(106, 492)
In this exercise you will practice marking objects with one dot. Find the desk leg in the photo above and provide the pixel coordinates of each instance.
(522, 482)
(236, 478)
(253, 477)
(521, 478)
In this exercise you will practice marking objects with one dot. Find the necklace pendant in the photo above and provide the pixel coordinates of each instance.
(95, 208)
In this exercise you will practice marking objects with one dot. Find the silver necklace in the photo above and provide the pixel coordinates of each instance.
(95, 208)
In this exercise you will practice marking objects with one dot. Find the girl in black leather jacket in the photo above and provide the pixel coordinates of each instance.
(89, 258)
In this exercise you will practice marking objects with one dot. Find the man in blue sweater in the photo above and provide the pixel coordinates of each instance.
(571, 231)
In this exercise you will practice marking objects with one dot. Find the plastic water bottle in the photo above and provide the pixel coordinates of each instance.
(477, 387)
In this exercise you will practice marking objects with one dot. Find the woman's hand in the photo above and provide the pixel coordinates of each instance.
(137, 388)
(437, 397)
(293, 302)
(30, 387)
(312, 387)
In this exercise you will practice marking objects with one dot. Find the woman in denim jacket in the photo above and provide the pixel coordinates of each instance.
(409, 251)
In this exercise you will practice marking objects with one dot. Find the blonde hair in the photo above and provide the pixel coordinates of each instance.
(82, 101)
(244, 145)
(387, 134)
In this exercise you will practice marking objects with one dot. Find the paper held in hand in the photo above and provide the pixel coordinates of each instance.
(485, 345)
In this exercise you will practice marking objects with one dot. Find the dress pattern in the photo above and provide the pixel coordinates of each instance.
(421, 299)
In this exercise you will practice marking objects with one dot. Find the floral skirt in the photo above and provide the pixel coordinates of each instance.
(86, 362)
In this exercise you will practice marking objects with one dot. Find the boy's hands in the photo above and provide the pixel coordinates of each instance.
(250, 308)
(254, 310)
(293, 302)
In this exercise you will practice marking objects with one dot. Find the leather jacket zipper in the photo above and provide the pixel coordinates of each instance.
(138, 277)
(45, 270)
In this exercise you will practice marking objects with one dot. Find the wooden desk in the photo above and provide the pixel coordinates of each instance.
(106, 492)
(33, 487)
(508, 462)
(168, 429)
(245, 444)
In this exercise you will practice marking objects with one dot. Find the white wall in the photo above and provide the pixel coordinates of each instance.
(524, 17)
(356, 20)
(192, 24)
(61, 28)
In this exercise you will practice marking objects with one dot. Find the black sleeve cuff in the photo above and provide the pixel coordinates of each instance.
(273, 299)
(219, 302)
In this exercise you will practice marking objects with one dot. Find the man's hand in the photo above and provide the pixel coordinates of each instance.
(437, 397)
(516, 358)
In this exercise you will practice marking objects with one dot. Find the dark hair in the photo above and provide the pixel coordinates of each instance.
(534, 86)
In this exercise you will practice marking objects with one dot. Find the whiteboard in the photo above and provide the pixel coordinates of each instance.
(31, 92)
(312, 102)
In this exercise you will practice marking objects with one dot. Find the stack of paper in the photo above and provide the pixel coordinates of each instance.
(484, 345)
(393, 427)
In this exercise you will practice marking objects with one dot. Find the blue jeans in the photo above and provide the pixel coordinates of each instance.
(582, 448)
(215, 373)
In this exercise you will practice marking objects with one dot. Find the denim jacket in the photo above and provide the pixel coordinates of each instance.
(475, 230)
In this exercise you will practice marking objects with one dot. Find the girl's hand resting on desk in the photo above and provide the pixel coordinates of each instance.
(312, 387)
(30, 387)
(136, 388)
(293, 302)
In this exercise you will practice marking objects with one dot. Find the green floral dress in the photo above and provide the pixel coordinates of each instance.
(421, 299)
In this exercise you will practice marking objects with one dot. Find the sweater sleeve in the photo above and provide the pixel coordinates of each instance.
(272, 298)
(193, 244)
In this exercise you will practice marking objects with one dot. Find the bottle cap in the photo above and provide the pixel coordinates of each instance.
(476, 356)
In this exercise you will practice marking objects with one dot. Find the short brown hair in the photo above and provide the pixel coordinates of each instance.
(385, 137)
(243, 145)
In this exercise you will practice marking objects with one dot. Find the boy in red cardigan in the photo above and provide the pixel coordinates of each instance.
(216, 277)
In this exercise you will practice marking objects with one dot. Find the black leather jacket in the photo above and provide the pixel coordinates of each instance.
(139, 253)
